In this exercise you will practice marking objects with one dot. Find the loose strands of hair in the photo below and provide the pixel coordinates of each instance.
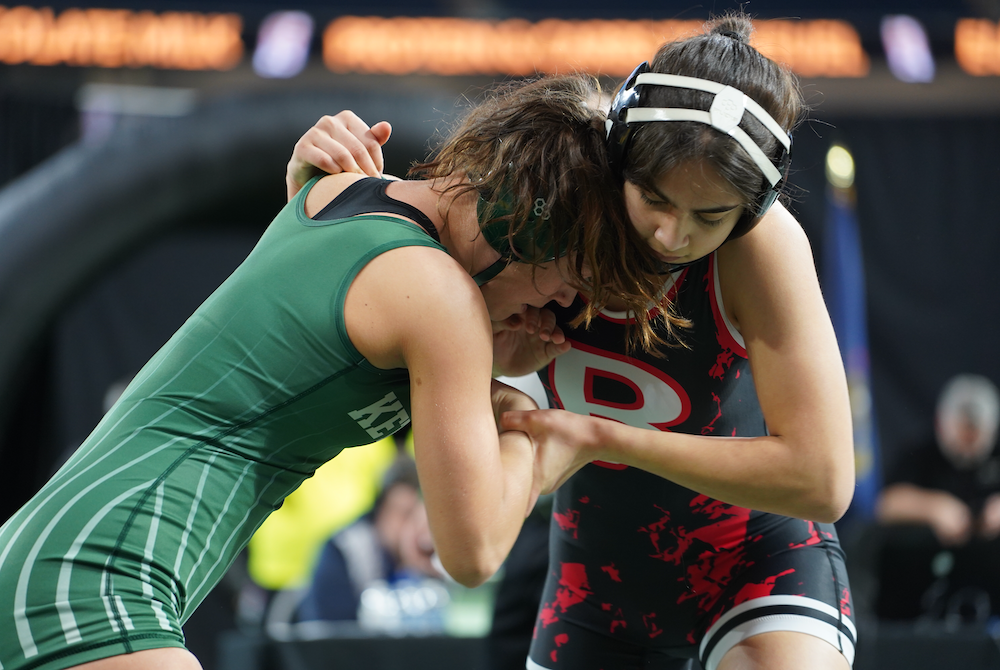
(542, 138)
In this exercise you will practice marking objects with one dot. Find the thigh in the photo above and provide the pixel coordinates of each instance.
(150, 659)
(795, 601)
(783, 650)
(66, 621)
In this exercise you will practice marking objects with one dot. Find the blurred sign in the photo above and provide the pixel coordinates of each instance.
(516, 47)
(283, 44)
(119, 38)
(977, 46)
(907, 49)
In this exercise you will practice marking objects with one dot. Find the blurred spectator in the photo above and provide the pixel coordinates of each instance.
(389, 543)
(283, 551)
(949, 486)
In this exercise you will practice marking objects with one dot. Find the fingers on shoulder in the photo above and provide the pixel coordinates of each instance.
(350, 143)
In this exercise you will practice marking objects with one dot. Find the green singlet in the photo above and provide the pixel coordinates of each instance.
(255, 391)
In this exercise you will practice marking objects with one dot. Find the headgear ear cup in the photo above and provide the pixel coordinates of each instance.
(619, 131)
(531, 243)
(630, 110)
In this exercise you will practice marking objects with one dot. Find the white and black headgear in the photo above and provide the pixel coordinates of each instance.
(631, 109)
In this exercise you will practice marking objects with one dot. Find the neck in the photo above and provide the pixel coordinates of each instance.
(453, 213)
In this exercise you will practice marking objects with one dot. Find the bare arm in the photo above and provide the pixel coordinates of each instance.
(416, 308)
(805, 467)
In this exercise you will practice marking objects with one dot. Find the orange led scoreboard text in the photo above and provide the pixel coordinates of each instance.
(114, 38)
(518, 47)
(120, 38)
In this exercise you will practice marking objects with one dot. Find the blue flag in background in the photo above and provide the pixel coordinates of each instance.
(843, 284)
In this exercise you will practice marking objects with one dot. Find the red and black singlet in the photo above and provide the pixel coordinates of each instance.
(641, 566)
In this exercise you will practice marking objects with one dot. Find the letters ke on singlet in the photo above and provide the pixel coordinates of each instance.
(369, 415)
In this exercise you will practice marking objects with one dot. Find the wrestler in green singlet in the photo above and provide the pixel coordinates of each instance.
(256, 390)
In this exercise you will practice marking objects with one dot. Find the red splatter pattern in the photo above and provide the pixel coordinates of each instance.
(568, 521)
(711, 554)
(560, 640)
(845, 602)
(649, 621)
(765, 588)
(813, 538)
(722, 363)
(710, 427)
(573, 589)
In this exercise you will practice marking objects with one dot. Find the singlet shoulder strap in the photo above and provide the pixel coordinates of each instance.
(366, 196)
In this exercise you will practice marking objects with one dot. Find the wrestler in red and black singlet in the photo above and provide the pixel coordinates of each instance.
(645, 573)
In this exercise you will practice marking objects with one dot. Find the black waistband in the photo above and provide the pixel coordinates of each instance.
(366, 196)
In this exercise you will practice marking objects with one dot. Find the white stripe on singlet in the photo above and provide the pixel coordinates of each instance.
(69, 475)
(20, 597)
(124, 614)
(21, 591)
(215, 526)
(66, 473)
(818, 625)
(66, 618)
(147, 558)
(147, 553)
(193, 594)
(195, 502)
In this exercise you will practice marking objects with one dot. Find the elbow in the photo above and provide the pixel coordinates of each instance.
(830, 498)
(833, 508)
(470, 571)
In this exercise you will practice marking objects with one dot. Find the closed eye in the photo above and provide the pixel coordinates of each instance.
(711, 223)
(649, 201)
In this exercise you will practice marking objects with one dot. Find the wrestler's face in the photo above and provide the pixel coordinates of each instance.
(689, 213)
(521, 285)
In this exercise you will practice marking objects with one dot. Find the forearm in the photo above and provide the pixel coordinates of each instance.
(477, 527)
(772, 473)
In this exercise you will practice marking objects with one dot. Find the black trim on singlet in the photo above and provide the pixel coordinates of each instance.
(761, 612)
(368, 196)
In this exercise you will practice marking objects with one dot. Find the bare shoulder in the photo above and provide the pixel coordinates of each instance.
(778, 238)
(328, 188)
(770, 262)
(411, 297)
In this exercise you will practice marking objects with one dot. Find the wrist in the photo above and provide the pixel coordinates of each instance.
(601, 445)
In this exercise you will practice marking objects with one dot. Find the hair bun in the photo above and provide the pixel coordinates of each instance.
(736, 26)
